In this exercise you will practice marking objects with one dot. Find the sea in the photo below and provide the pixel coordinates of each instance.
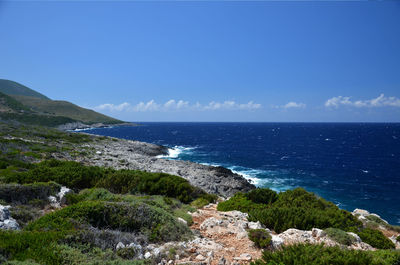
(354, 165)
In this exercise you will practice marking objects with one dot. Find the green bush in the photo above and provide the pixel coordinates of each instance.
(292, 209)
(77, 176)
(23, 194)
(260, 237)
(154, 222)
(262, 195)
(23, 245)
(240, 202)
(398, 238)
(375, 238)
(321, 255)
(125, 181)
(340, 236)
(24, 214)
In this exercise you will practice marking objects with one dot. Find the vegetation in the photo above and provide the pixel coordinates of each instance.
(13, 88)
(22, 104)
(375, 238)
(321, 255)
(340, 236)
(24, 194)
(260, 237)
(291, 209)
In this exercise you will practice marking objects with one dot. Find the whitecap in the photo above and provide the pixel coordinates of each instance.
(176, 151)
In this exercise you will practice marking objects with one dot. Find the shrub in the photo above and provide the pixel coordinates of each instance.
(262, 195)
(292, 209)
(340, 236)
(24, 214)
(68, 173)
(23, 245)
(125, 181)
(204, 200)
(375, 238)
(23, 194)
(239, 202)
(155, 223)
(321, 255)
(398, 238)
(260, 237)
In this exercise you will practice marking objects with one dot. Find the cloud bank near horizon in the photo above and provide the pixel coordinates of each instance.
(380, 101)
(178, 105)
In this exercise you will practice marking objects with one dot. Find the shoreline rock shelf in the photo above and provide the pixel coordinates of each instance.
(135, 155)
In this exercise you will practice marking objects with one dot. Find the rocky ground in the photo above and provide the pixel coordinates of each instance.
(126, 154)
(221, 239)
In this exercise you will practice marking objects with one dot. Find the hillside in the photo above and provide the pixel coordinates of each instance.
(22, 104)
(13, 88)
(66, 109)
(10, 105)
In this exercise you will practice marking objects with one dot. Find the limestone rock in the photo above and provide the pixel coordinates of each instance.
(120, 245)
(147, 255)
(6, 221)
(183, 221)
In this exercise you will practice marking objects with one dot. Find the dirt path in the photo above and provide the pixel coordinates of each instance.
(222, 238)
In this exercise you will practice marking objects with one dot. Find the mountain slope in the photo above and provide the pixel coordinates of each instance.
(13, 88)
(11, 105)
(22, 104)
(66, 109)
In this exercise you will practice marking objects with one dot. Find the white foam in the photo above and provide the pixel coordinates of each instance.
(176, 151)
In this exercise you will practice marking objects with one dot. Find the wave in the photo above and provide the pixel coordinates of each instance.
(176, 151)
(274, 179)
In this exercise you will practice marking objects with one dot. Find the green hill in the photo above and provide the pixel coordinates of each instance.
(66, 109)
(13, 88)
(22, 104)
(10, 105)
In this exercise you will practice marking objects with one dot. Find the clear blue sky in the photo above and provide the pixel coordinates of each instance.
(209, 61)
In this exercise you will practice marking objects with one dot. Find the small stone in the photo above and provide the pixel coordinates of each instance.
(254, 225)
(318, 233)
(147, 255)
(244, 256)
(156, 252)
(170, 262)
(120, 245)
(357, 238)
(183, 221)
(98, 153)
(222, 261)
(200, 257)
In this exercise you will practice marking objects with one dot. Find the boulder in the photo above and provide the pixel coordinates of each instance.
(6, 221)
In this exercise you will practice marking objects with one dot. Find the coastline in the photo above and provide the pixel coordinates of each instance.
(135, 155)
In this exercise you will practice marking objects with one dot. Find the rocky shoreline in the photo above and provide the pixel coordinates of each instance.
(126, 154)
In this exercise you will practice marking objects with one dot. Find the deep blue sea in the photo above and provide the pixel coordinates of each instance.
(354, 165)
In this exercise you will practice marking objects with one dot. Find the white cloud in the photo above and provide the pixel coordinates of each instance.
(180, 105)
(293, 104)
(111, 107)
(380, 101)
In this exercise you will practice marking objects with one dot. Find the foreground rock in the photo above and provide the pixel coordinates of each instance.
(6, 221)
(125, 154)
(315, 236)
(222, 238)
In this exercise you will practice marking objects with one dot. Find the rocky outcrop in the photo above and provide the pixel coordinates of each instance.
(126, 154)
(315, 236)
(60, 199)
(221, 238)
(363, 215)
(6, 221)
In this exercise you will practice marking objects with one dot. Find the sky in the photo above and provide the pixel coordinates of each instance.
(248, 61)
